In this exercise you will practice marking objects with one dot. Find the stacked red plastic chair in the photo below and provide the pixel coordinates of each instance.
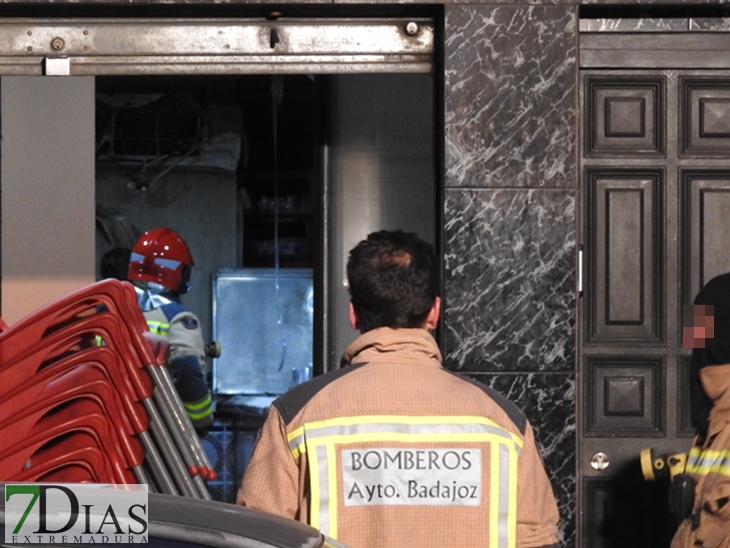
(85, 396)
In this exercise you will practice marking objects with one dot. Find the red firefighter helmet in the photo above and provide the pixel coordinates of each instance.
(162, 257)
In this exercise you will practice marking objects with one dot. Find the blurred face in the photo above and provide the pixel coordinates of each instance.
(698, 324)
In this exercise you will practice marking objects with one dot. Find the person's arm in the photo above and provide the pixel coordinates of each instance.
(709, 522)
(271, 479)
(537, 510)
(186, 338)
(193, 390)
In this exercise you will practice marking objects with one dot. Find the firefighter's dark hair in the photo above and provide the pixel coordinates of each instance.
(393, 280)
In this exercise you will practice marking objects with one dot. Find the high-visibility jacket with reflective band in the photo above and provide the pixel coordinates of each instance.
(183, 331)
(709, 464)
(393, 450)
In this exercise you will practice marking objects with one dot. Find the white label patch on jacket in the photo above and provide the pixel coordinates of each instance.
(425, 477)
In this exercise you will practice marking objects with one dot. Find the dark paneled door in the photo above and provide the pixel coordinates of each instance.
(655, 225)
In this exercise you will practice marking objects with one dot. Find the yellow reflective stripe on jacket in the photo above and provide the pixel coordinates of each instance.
(200, 409)
(503, 487)
(707, 461)
(318, 441)
(159, 328)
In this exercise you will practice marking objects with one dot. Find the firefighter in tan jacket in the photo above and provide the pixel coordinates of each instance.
(392, 449)
(704, 514)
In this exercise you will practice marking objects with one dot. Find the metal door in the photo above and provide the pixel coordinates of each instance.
(654, 225)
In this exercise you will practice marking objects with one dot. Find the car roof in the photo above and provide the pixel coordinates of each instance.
(223, 525)
(191, 521)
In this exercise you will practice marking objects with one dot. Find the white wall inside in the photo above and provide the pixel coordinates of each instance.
(47, 190)
(382, 173)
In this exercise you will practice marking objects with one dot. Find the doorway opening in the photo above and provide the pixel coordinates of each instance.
(261, 148)
(262, 174)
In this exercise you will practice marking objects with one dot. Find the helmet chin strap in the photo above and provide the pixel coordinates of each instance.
(152, 296)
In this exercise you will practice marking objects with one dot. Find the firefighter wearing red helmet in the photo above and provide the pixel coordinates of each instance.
(159, 267)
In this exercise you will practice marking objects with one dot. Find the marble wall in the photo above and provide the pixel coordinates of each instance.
(510, 217)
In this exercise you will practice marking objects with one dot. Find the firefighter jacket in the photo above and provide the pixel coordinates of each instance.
(187, 359)
(709, 464)
(394, 450)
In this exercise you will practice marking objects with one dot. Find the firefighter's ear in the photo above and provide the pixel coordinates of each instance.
(432, 319)
(353, 317)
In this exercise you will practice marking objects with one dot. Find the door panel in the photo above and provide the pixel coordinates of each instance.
(625, 396)
(655, 220)
(704, 117)
(624, 116)
(705, 222)
(623, 227)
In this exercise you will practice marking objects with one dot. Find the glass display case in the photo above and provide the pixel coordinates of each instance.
(262, 318)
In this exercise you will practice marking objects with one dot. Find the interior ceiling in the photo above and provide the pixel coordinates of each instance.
(150, 120)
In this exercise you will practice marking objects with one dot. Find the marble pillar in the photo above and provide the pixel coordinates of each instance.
(510, 217)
